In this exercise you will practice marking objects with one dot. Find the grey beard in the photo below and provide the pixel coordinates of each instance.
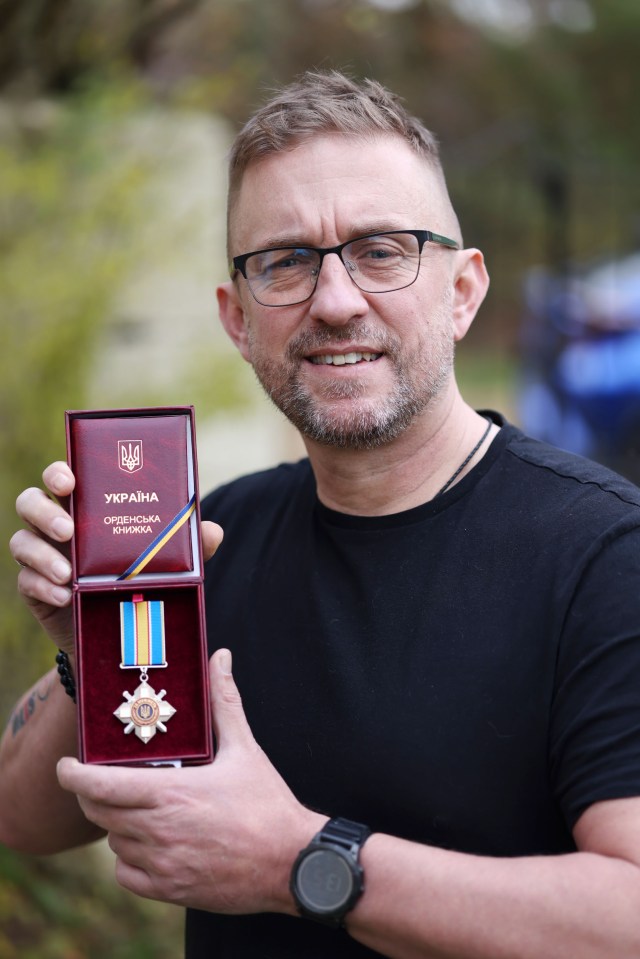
(361, 429)
(364, 427)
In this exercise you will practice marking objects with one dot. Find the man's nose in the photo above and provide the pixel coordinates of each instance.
(336, 298)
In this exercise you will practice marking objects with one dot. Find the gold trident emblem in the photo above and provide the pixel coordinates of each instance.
(130, 455)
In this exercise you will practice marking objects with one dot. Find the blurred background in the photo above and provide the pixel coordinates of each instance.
(115, 119)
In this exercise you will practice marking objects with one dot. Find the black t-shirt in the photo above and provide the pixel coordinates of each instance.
(465, 673)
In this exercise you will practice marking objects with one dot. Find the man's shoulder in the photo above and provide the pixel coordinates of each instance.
(555, 496)
(550, 468)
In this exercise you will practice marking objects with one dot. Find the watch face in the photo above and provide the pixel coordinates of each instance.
(324, 881)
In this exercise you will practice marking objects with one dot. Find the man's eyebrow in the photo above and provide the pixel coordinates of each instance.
(300, 240)
(286, 240)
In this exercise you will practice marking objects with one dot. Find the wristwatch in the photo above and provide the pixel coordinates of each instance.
(327, 879)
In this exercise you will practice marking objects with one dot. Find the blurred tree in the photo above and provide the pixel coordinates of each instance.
(88, 205)
(73, 198)
(69, 198)
(83, 208)
(535, 105)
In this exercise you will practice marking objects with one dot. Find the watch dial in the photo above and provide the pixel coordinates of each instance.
(324, 881)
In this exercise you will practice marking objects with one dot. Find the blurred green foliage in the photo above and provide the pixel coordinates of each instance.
(68, 204)
(69, 907)
(78, 197)
(536, 109)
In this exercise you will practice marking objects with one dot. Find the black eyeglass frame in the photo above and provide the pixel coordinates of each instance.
(239, 263)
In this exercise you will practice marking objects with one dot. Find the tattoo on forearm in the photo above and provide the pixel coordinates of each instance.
(27, 707)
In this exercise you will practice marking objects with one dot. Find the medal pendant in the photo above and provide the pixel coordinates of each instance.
(143, 646)
(145, 712)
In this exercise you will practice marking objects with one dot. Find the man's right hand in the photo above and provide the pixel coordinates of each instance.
(43, 551)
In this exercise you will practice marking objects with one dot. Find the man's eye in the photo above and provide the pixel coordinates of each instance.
(289, 260)
(378, 251)
(376, 248)
(286, 262)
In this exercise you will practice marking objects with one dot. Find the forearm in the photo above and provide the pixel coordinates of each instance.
(425, 902)
(36, 815)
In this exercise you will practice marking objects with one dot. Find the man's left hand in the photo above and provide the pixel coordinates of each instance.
(220, 837)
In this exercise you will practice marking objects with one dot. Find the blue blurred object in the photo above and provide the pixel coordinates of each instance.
(580, 384)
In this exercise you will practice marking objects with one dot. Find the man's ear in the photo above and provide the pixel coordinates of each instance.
(232, 316)
(470, 288)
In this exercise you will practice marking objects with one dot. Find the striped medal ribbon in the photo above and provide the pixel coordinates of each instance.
(142, 643)
(142, 633)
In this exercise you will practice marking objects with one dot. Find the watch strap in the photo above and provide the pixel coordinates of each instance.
(343, 832)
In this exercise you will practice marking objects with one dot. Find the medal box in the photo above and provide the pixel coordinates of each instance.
(138, 592)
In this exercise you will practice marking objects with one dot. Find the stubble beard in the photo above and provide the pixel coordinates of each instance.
(361, 423)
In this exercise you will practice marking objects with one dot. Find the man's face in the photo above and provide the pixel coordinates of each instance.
(348, 368)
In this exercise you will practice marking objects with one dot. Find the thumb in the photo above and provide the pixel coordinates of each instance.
(229, 721)
(211, 538)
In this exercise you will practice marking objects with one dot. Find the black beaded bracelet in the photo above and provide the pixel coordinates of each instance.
(66, 675)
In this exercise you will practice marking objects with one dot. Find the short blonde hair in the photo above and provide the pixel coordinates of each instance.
(318, 103)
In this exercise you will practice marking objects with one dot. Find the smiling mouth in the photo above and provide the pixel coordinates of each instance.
(343, 359)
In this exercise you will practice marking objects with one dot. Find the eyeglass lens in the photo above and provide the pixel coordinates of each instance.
(376, 264)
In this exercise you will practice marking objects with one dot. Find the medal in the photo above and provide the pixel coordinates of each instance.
(145, 712)
(143, 647)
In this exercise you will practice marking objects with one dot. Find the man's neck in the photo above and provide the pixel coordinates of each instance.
(406, 472)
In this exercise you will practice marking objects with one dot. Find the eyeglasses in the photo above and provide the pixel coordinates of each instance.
(377, 263)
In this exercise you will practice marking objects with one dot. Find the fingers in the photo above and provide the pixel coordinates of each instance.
(111, 786)
(211, 538)
(41, 513)
(42, 549)
(59, 479)
(36, 588)
(135, 879)
(46, 571)
(229, 721)
(28, 549)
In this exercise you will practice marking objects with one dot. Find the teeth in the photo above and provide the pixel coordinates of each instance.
(342, 359)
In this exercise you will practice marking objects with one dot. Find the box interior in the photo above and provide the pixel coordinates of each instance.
(102, 681)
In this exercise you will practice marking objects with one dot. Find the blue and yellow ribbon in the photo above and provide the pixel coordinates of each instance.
(142, 633)
(163, 537)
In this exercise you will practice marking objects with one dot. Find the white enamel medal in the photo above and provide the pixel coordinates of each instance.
(143, 646)
(145, 712)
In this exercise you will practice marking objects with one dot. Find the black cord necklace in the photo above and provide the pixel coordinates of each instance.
(467, 460)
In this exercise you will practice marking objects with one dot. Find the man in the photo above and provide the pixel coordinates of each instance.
(434, 620)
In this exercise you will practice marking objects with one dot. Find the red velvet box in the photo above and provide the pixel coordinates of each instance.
(138, 601)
